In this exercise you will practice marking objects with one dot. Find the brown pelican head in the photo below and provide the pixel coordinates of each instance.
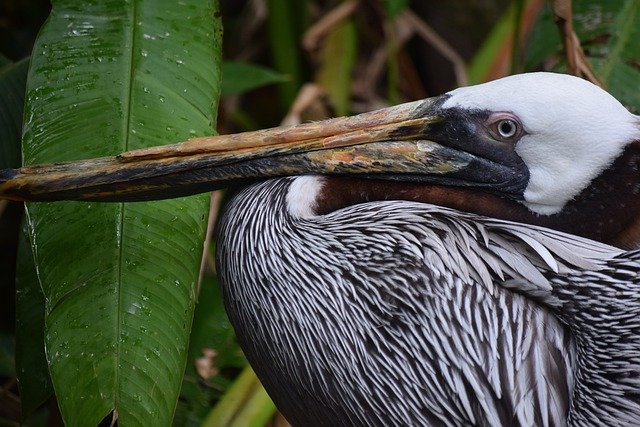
(540, 148)
(565, 130)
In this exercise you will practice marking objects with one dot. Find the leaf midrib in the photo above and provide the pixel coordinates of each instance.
(125, 137)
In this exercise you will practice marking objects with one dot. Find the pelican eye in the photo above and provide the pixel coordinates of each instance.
(504, 126)
(507, 128)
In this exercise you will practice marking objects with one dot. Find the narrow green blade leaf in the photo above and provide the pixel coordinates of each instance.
(339, 56)
(492, 47)
(119, 279)
(246, 403)
(238, 77)
(285, 26)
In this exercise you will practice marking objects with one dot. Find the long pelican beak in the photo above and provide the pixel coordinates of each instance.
(392, 142)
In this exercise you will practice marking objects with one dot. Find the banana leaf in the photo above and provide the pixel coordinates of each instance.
(119, 279)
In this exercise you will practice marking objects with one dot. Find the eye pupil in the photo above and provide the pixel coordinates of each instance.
(507, 128)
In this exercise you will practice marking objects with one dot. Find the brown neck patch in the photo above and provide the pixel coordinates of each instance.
(607, 211)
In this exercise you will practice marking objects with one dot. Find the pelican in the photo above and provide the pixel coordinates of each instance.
(451, 261)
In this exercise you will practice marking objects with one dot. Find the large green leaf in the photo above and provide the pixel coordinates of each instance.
(119, 279)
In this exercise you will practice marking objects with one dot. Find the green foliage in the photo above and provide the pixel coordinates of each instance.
(246, 404)
(119, 280)
(481, 63)
(609, 32)
(395, 7)
(339, 56)
(211, 330)
(238, 77)
(286, 22)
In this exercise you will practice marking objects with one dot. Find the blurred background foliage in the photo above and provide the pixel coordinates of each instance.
(288, 61)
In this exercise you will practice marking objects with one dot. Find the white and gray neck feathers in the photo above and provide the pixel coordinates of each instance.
(345, 303)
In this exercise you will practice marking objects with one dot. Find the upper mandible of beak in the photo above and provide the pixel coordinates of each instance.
(394, 141)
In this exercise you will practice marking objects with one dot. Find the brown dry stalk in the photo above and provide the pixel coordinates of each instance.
(430, 36)
(308, 95)
(208, 263)
(318, 31)
(577, 61)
